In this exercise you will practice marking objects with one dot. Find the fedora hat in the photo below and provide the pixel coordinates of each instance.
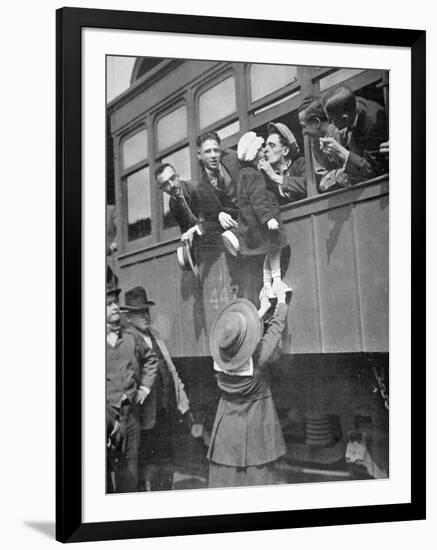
(185, 258)
(235, 334)
(135, 299)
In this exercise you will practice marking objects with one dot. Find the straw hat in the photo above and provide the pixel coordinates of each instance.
(185, 258)
(230, 240)
(235, 334)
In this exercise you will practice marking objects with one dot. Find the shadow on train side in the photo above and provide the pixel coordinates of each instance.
(237, 277)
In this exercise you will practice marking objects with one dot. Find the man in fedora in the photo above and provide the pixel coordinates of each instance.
(126, 388)
(246, 439)
(167, 397)
(283, 164)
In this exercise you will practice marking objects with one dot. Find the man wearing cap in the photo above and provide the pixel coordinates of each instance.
(126, 388)
(283, 164)
(246, 439)
(167, 397)
(216, 191)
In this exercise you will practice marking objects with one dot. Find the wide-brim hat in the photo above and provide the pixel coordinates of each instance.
(283, 130)
(235, 333)
(135, 299)
(186, 258)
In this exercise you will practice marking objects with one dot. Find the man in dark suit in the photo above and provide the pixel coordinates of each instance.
(216, 190)
(182, 203)
(166, 401)
(365, 125)
(315, 124)
(128, 383)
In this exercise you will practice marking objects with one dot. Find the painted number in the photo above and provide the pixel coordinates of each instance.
(228, 292)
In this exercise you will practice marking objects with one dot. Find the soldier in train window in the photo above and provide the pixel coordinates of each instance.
(315, 124)
(365, 124)
(217, 188)
(284, 165)
(182, 203)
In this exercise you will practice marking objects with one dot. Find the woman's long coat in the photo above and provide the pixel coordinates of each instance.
(246, 430)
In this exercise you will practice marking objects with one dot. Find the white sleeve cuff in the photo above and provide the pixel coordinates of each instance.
(145, 389)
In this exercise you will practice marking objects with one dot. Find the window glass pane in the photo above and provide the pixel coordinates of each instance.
(181, 163)
(229, 130)
(277, 102)
(217, 102)
(172, 128)
(135, 149)
(138, 205)
(265, 79)
(338, 76)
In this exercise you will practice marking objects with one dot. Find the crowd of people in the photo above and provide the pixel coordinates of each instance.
(238, 195)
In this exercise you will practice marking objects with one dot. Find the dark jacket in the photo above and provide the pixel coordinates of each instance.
(246, 430)
(364, 139)
(183, 207)
(294, 184)
(122, 370)
(209, 200)
(322, 161)
(257, 205)
(174, 386)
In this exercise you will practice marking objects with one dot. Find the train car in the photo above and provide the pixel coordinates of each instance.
(331, 384)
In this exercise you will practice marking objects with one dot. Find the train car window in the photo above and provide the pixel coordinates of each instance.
(276, 103)
(138, 204)
(337, 77)
(217, 103)
(229, 130)
(266, 79)
(172, 128)
(181, 161)
(134, 149)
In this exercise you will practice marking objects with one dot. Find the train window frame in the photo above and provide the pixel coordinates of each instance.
(276, 95)
(121, 175)
(224, 72)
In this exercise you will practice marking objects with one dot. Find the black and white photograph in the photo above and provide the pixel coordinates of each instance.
(247, 274)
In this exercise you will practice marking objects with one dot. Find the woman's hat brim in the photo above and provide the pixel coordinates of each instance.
(252, 336)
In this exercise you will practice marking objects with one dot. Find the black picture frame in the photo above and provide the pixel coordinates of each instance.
(69, 524)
